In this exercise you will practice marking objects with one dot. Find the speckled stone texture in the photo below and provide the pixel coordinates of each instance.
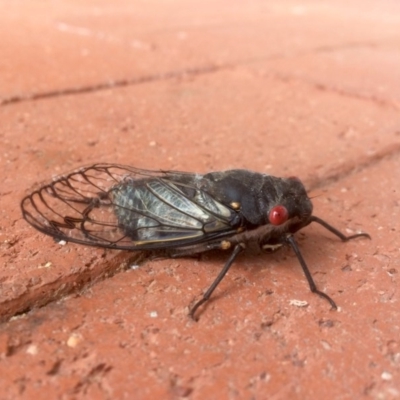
(307, 88)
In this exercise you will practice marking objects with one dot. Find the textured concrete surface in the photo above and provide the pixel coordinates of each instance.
(308, 88)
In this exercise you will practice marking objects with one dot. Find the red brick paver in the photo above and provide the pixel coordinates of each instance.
(309, 89)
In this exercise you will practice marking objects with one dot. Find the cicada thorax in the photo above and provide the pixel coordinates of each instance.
(279, 205)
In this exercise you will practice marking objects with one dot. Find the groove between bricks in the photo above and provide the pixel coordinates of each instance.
(349, 168)
(181, 74)
(208, 69)
(41, 295)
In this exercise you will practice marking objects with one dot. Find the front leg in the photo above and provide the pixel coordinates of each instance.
(270, 245)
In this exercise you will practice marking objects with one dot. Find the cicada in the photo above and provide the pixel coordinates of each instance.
(122, 207)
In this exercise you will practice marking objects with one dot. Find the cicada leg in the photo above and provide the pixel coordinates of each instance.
(237, 249)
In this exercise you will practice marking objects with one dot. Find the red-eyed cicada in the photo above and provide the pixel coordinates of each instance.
(122, 207)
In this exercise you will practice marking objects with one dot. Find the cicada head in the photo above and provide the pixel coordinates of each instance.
(290, 206)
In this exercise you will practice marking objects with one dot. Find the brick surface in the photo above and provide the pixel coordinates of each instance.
(306, 89)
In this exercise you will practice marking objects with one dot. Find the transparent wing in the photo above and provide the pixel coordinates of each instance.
(122, 207)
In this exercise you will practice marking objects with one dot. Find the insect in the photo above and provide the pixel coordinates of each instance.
(122, 207)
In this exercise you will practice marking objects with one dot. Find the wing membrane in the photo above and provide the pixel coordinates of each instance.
(118, 206)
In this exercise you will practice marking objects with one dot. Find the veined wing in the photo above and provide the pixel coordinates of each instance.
(122, 207)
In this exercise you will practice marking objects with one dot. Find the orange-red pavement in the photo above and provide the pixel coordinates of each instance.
(308, 88)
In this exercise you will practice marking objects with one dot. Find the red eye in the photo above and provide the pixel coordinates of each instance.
(278, 215)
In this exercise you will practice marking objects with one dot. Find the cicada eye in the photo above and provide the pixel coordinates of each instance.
(278, 215)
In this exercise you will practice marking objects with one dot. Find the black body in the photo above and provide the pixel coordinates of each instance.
(122, 207)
